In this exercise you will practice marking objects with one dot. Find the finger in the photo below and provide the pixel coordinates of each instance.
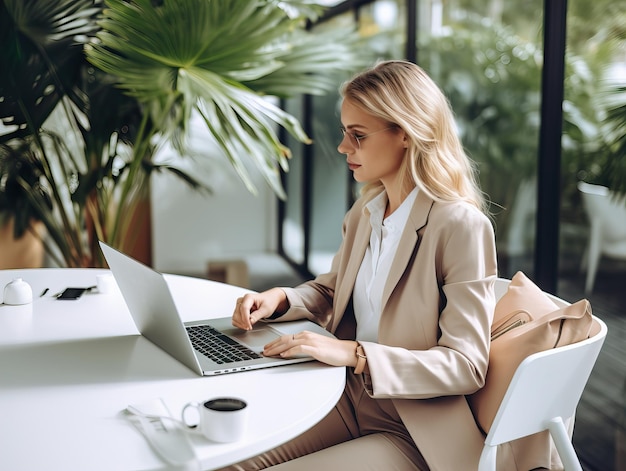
(280, 345)
(282, 340)
(241, 315)
(251, 311)
(256, 315)
(244, 313)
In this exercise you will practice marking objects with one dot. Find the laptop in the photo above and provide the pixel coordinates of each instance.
(210, 347)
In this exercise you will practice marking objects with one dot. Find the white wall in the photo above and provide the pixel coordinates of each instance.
(190, 228)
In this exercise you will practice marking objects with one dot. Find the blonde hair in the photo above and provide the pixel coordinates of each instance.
(402, 94)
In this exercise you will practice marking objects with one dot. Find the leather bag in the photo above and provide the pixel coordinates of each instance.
(525, 321)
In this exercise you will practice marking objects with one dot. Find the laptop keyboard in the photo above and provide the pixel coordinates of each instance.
(217, 346)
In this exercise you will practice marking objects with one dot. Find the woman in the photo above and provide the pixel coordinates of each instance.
(409, 295)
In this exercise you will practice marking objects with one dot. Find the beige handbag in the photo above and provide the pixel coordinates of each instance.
(525, 321)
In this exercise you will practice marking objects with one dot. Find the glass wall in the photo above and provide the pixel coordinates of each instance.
(486, 56)
(594, 132)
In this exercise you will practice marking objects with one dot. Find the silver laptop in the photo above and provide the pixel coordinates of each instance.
(209, 347)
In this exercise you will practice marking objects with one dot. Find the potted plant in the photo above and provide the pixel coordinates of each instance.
(50, 133)
(165, 60)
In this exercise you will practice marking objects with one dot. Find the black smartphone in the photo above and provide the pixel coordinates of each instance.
(72, 293)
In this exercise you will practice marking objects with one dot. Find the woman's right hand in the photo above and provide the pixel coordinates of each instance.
(255, 306)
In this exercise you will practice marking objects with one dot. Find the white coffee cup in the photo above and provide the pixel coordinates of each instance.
(221, 419)
(105, 283)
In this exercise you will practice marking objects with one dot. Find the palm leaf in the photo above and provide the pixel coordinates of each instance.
(331, 51)
(40, 58)
(220, 57)
(615, 136)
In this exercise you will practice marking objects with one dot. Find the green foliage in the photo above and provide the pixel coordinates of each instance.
(220, 58)
(615, 170)
(21, 169)
(94, 88)
(603, 161)
(492, 78)
(42, 55)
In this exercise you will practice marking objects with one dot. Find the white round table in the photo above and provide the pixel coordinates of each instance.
(69, 369)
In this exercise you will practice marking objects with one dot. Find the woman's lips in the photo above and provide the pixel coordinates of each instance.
(353, 166)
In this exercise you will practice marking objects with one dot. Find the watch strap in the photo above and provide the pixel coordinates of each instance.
(361, 359)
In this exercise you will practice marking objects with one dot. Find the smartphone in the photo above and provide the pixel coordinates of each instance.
(72, 293)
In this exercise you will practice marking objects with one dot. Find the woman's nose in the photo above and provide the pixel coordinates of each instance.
(345, 145)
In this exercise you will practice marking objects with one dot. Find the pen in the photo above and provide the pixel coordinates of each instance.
(43, 292)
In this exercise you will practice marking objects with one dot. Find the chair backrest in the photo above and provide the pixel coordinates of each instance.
(606, 209)
(545, 385)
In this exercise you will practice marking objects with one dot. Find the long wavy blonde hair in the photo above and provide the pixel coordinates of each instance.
(402, 94)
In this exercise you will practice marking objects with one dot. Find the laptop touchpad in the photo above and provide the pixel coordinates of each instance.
(255, 339)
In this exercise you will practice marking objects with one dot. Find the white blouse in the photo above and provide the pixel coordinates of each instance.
(370, 281)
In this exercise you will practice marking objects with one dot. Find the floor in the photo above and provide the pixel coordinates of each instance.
(600, 431)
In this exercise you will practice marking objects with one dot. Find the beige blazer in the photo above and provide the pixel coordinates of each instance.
(434, 331)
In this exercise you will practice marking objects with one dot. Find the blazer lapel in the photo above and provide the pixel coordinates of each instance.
(409, 242)
(345, 285)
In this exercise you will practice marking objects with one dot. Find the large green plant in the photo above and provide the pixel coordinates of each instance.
(151, 65)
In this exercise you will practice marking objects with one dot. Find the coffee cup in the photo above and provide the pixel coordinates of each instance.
(105, 283)
(221, 419)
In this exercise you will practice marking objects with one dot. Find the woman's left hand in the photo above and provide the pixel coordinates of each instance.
(328, 350)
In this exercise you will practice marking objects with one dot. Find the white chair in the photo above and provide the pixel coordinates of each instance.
(543, 393)
(607, 235)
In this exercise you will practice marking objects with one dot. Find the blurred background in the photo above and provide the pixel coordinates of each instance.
(539, 92)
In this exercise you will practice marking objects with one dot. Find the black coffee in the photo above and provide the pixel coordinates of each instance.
(225, 404)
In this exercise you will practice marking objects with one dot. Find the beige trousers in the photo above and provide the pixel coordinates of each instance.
(359, 433)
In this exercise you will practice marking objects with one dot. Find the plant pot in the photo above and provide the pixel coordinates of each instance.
(25, 252)
(139, 238)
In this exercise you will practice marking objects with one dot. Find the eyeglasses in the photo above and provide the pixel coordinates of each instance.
(356, 139)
